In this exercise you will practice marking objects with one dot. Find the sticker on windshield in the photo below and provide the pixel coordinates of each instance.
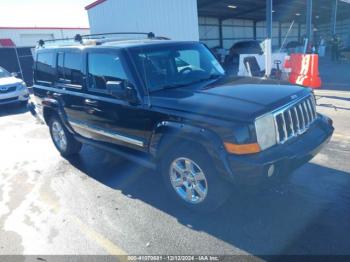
(218, 66)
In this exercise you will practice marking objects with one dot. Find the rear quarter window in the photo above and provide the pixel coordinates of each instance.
(73, 68)
(45, 68)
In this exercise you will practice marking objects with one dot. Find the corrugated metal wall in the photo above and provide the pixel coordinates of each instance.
(177, 19)
(235, 30)
(29, 37)
(342, 29)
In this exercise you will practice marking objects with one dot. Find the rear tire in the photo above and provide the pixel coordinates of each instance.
(63, 140)
(188, 168)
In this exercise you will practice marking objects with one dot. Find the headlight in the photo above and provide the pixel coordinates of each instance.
(22, 86)
(265, 131)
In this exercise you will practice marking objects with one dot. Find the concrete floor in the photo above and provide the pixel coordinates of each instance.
(100, 204)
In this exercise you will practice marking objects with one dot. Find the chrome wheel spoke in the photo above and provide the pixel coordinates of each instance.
(200, 191)
(188, 180)
(188, 165)
(199, 176)
(179, 169)
(178, 182)
(189, 193)
(59, 136)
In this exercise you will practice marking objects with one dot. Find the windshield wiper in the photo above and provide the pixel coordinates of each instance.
(177, 85)
(170, 86)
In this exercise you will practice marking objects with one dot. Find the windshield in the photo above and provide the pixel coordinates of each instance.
(4, 73)
(169, 66)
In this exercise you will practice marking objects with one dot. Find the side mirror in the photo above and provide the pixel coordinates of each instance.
(14, 74)
(116, 88)
(123, 90)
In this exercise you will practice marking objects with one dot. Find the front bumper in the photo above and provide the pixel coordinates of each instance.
(14, 97)
(285, 158)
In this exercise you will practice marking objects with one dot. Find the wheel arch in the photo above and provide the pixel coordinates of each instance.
(169, 133)
(52, 109)
(48, 112)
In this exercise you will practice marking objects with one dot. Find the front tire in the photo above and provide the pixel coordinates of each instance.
(64, 141)
(191, 178)
(24, 103)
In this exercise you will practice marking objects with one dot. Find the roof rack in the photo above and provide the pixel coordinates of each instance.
(95, 39)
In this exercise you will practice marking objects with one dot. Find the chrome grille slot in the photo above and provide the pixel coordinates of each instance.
(307, 116)
(8, 90)
(295, 119)
(301, 117)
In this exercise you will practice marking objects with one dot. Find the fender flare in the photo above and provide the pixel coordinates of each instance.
(53, 105)
(210, 141)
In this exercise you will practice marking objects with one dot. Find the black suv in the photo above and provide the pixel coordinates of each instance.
(169, 105)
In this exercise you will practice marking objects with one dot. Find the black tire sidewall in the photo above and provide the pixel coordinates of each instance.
(73, 146)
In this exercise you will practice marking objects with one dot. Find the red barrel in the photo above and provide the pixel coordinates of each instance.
(304, 70)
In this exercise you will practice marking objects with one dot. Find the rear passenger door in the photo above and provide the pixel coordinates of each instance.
(70, 79)
(44, 75)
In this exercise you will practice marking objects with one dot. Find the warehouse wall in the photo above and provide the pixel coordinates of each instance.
(292, 35)
(177, 20)
(235, 30)
(342, 29)
(209, 32)
(29, 37)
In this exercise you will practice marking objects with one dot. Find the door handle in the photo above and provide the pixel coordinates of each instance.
(90, 102)
(57, 95)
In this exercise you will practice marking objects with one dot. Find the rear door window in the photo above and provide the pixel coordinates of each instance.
(104, 67)
(60, 66)
(69, 69)
(45, 68)
(73, 68)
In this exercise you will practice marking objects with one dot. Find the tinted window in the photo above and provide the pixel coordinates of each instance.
(45, 68)
(4, 73)
(191, 58)
(60, 68)
(103, 68)
(72, 68)
(170, 66)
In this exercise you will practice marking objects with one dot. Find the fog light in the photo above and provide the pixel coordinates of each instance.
(271, 171)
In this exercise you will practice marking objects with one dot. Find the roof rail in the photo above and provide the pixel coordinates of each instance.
(94, 39)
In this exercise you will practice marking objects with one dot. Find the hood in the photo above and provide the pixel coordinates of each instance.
(229, 100)
(5, 81)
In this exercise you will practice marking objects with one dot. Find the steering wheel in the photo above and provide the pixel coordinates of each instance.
(183, 70)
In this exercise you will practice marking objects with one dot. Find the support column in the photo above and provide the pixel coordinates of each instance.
(221, 40)
(254, 30)
(334, 17)
(268, 41)
(280, 34)
(309, 32)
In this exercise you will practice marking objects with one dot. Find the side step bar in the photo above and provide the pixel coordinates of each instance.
(134, 156)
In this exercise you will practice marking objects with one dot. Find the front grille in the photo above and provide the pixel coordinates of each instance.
(6, 100)
(7, 90)
(295, 119)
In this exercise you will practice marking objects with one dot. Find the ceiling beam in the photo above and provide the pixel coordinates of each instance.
(203, 3)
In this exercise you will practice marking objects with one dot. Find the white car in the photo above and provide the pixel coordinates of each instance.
(12, 89)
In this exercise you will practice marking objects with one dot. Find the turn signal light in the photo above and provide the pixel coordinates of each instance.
(242, 149)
